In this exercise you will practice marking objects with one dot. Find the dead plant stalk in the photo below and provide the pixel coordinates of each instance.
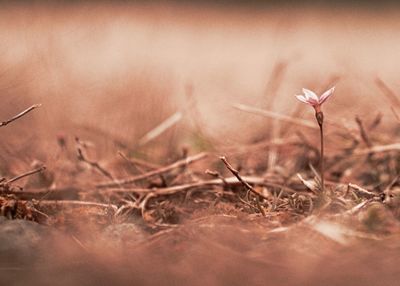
(19, 115)
(177, 164)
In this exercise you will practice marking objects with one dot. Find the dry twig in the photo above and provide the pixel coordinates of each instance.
(161, 128)
(363, 133)
(378, 149)
(16, 178)
(177, 164)
(19, 115)
(230, 181)
(389, 93)
(361, 190)
(245, 184)
(139, 163)
(216, 175)
(72, 203)
(93, 164)
(270, 114)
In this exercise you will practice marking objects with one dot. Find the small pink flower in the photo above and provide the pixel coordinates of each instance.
(312, 99)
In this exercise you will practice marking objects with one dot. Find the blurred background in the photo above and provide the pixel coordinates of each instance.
(110, 72)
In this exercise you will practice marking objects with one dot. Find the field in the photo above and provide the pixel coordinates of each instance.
(162, 144)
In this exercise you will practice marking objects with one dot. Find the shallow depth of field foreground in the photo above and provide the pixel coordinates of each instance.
(163, 144)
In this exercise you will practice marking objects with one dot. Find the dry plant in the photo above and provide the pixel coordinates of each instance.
(163, 195)
(355, 194)
(5, 183)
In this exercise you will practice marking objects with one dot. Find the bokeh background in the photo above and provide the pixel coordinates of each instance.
(111, 71)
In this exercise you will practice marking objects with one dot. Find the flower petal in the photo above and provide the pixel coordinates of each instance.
(310, 94)
(326, 95)
(302, 98)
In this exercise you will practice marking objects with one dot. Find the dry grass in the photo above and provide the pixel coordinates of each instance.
(137, 110)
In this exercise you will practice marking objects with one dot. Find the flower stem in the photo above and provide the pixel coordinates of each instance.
(320, 119)
(322, 165)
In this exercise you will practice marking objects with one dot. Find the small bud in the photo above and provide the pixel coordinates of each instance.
(320, 117)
